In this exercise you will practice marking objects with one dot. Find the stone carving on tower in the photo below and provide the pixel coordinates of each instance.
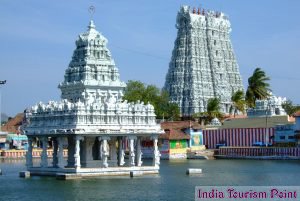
(203, 64)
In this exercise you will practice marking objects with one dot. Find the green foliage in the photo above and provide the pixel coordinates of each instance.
(258, 87)
(213, 110)
(134, 91)
(166, 110)
(238, 102)
(290, 108)
(137, 90)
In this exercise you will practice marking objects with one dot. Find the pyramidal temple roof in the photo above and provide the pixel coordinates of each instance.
(91, 67)
(203, 63)
(91, 94)
(92, 34)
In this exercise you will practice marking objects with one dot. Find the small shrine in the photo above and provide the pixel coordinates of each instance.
(268, 107)
(91, 119)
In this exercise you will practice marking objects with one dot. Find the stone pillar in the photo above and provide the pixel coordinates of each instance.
(105, 152)
(138, 153)
(54, 154)
(131, 151)
(156, 154)
(86, 151)
(100, 149)
(121, 161)
(77, 152)
(44, 156)
(60, 154)
(29, 163)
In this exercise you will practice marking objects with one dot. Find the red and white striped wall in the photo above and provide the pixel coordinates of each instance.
(240, 137)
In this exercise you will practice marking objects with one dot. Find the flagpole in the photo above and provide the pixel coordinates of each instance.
(0, 110)
(1, 83)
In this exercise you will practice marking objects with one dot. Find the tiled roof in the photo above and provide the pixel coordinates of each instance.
(174, 129)
(180, 125)
(13, 124)
(297, 114)
(174, 134)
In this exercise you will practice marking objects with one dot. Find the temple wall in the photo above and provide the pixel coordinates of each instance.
(236, 137)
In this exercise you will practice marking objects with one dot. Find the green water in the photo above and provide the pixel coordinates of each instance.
(171, 184)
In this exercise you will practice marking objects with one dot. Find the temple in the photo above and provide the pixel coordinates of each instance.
(203, 64)
(270, 107)
(91, 119)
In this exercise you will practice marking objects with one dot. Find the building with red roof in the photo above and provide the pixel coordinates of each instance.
(179, 138)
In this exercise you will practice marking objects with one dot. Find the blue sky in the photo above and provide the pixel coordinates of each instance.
(37, 39)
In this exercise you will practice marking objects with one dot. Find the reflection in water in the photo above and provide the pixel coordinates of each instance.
(171, 184)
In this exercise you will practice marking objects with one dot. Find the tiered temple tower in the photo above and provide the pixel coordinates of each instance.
(203, 64)
(92, 120)
(92, 74)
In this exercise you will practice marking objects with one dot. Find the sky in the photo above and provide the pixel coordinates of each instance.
(37, 39)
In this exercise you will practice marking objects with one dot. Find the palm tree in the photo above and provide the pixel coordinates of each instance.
(213, 110)
(238, 102)
(290, 108)
(213, 107)
(258, 87)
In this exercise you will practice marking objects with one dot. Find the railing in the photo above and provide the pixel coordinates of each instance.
(259, 151)
(22, 153)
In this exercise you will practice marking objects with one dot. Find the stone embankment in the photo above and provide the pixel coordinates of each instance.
(201, 154)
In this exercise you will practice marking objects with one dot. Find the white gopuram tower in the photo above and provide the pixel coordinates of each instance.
(91, 121)
(203, 64)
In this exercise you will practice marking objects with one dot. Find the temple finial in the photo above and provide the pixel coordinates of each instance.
(92, 11)
(91, 25)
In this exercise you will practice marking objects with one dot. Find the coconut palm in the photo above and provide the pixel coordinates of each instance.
(238, 102)
(290, 108)
(258, 87)
(213, 107)
(213, 110)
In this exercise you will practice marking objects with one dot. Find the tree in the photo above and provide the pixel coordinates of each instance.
(238, 102)
(258, 87)
(290, 108)
(213, 108)
(213, 111)
(137, 90)
(151, 94)
(134, 91)
(167, 110)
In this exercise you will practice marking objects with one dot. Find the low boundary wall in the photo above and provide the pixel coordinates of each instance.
(22, 153)
(269, 152)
